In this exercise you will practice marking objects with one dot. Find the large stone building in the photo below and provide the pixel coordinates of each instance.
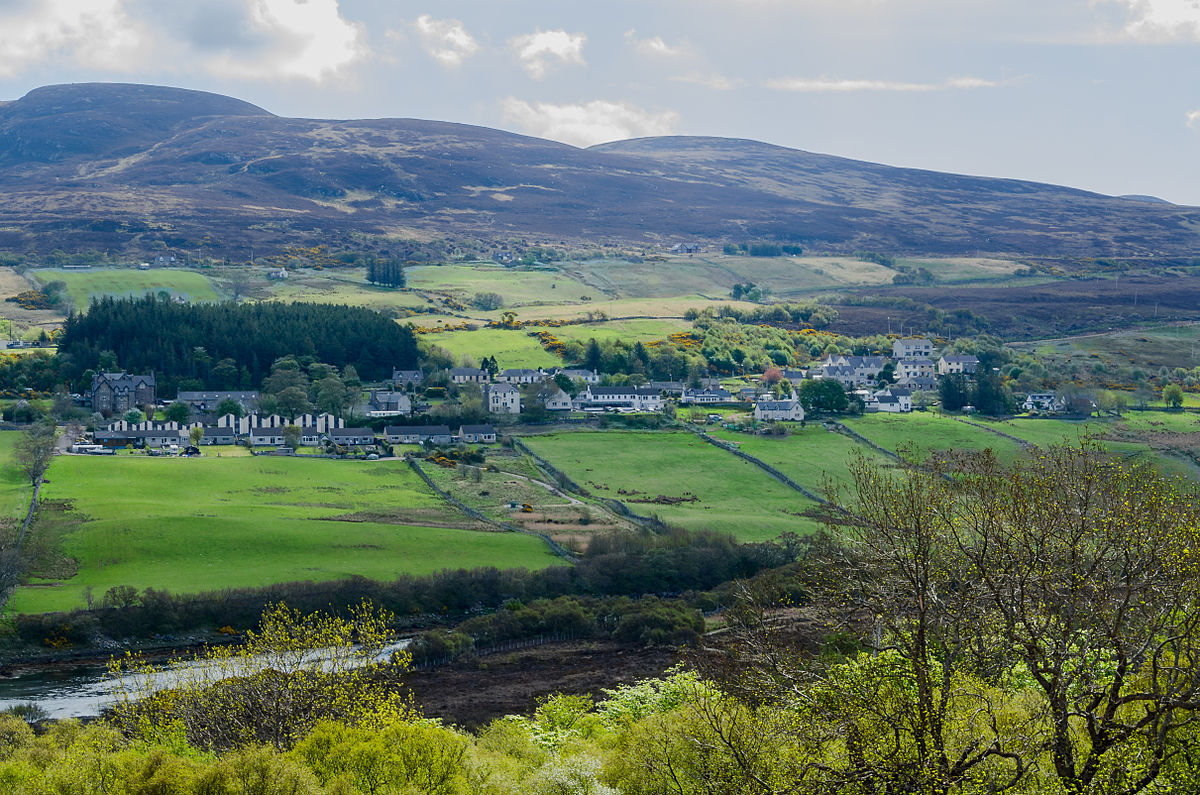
(120, 392)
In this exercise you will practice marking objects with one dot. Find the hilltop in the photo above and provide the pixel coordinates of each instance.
(115, 166)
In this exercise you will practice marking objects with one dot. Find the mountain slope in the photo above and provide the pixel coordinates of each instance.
(106, 166)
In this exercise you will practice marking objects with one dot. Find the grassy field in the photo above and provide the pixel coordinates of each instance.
(964, 269)
(1148, 347)
(343, 286)
(930, 431)
(516, 287)
(190, 525)
(511, 347)
(710, 489)
(626, 330)
(82, 286)
(808, 456)
(14, 487)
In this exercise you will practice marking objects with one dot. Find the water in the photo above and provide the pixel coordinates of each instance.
(84, 690)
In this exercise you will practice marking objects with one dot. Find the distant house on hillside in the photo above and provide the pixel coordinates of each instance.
(502, 399)
(957, 365)
(912, 348)
(280, 273)
(402, 378)
(417, 434)
(778, 410)
(469, 375)
(477, 434)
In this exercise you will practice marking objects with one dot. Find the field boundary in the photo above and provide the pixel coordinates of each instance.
(858, 437)
(729, 447)
(618, 507)
(1024, 444)
(554, 546)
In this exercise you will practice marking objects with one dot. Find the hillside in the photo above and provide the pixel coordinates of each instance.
(113, 166)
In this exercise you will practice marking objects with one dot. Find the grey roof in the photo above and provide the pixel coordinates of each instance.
(351, 432)
(189, 397)
(776, 405)
(410, 430)
(466, 371)
(961, 359)
(478, 430)
(623, 391)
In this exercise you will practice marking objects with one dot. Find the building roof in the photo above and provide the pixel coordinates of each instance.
(478, 430)
(410, 430)
(623, 391)
(960, 359)
(776, 405)
(466, 371)
(190, 397)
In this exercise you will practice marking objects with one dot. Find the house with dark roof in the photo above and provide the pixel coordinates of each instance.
(360, 436)
(469, 375)
(957, 365)
(402, 378)
(778, 410)
(417, 434)
(616, 398)
(205, 402)
(120, 392)
(477, 434)
(520, 375)
(386, 404)
(700, 396)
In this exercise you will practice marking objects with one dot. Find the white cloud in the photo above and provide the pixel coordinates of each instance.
(535, 50)
(1154, 21)
(446, 40)
(584, 124)
(302, 39)
(654, 46)
(836, 85)
(714, 81)
(1193, 117)
(95, 33)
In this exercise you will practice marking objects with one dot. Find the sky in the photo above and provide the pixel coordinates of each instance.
(1096, 94)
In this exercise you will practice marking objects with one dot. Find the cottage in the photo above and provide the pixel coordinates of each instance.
(502, 399)
(205, 402)
(912, 348)
(892, 400)
(617, 398)
(469, 375)
(778, 410)
(402, 378)
(359, 436)
(557, 400)
(120, 392)
(266, 437)
(277, 273)
(668, 388)
(387, 404)
(417, 434)
(477, 434)
(586, 376)
(1044, 401)
(957, 365)
(520, 376)
(700, 396)
(215, 434)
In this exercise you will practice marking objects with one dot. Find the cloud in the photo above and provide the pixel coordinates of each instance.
(584, 124)
(1193, 117)
(654, 46)
(714, 81)
(836, 85)
(535, 50)
(446, 40)
(1154, 21)
(298, 39)
(94, 33)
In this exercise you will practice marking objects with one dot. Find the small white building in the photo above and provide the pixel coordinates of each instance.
(912, 348)
(558, 401)
(469, 375)
(1044, 401)
(520, 376)
(617, 398)
(701, 396)
(891, 401)
(778, 410)
(502, 398)
(477, 434)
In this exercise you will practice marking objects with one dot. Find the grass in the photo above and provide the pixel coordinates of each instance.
(730, 495)
(343, 286)
(14, 486)
(930, 431)
(808, 456)
(188, 525)
(966, 269)
(624, 330)
(511, 347)
(518, 287)
(82, 286)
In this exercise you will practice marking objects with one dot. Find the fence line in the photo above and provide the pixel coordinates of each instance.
(616, 506)
(1024, 444)
(763, 465)
(555, 547)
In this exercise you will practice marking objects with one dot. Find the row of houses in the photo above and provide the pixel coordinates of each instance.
(475, 375)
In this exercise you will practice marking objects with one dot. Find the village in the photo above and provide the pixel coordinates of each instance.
(136, 418)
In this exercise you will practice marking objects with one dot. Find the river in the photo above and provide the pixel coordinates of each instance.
(83, 690)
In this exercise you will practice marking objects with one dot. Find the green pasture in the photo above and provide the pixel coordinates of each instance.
(963, 269)
(930, 431)
(82, 286)
(343, 286)
(190, 525)
(787, 275)
(809, 455)
(518, 287)
(624, 330)
(511, 347)
(731, 495)
(14, 486)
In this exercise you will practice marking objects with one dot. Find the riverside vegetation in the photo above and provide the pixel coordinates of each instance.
(1030, 627)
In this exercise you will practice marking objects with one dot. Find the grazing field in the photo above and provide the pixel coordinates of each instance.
(517, 287)
(1174, 345)
(190, 525)
(808, 455)
(343, 286)
(964, 269)
(930, 431)
(14, 486)
(631, 308)
(795, 275)
(679, 478)
(624, 330)
(83, 286)
(511, 347)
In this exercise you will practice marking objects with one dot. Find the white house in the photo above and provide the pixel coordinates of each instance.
(698, 396)
(388, 404)
(590, 377)
(558, 401)
(477, 434)
(520, 376)
(907, 369)
(1044, 401)
(851, 371)
(912, 348)
(502, 399)
(957, 365)
(469, 375)
(619, 397)
(416, 434)
(892, 400)
(775, 410)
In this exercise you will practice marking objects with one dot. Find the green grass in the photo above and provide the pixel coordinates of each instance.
(343, 286)
(14, 486)
(733, 496)
(190, 525)
(511, 347)
(808, 456)
(516, 286)
(82, 286)
(930, 431)
(624, 330)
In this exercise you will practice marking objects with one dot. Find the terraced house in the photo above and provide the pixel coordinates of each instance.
(120, 392)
